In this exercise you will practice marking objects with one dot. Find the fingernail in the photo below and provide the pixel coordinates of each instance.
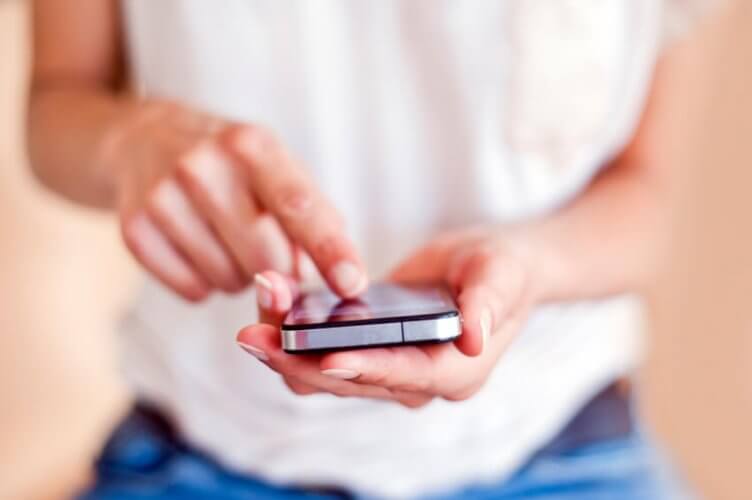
(264, 289)
(254, 351)
(342, 373)
(485, 324)
(348, 278)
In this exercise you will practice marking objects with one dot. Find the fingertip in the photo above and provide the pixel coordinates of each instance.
(232, 135)
(196, 294)
(394, 277)
(246, 140)
(261, 336)
(348, 279)
(246, 334)
(469, 344)
(274, 292)
(474, 336)
(237, 136)
(264, 291)
(191, 286)
(361, 288)
(234, 284)
(283, 290)
(254, 351)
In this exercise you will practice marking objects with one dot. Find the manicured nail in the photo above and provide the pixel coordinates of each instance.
(254, 351)
(348, 278)
(342, 373)
(485, 324)
(264, 289)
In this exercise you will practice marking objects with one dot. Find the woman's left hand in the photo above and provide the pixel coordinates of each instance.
(490, 280)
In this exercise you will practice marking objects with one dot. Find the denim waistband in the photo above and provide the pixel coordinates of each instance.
(146, 440)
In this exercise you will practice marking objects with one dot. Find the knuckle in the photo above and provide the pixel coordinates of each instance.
(188, 165)
(212, 125)
(167, 107)
(159, 109)
(193, 165)
(332, 216)
(252, 138)
(419, 385)
(158, 199)
(295, 201)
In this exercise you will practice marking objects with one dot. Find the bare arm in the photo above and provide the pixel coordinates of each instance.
(199, 206)
(605, 241)
(77, 75)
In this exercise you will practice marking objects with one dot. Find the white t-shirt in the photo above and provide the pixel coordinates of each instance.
(414, 117)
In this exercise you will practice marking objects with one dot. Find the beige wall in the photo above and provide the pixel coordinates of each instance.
(698, 378)
(63, 277)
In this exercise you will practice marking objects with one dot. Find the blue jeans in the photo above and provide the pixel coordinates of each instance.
(599, 455)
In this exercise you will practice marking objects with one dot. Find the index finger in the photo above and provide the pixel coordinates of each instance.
(308, 218)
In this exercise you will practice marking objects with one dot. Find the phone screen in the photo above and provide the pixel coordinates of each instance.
(380, 302)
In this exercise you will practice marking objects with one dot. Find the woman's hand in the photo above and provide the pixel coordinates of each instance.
(490, 280)
(205, 204)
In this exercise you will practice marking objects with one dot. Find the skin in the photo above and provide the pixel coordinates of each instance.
(206, 205)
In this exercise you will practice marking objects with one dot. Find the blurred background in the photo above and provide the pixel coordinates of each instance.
(58, 377)
(64, 280)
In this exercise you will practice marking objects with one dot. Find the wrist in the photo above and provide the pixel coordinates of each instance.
(110, 154)
(542, 267)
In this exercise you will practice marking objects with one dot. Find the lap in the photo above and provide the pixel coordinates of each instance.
(597, 456)
(627, 468)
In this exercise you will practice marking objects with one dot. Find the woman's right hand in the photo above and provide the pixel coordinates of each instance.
(205, 204)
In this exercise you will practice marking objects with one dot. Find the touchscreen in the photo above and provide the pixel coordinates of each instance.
(379, 302)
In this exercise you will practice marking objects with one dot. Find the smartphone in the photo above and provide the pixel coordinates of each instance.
(385, 315)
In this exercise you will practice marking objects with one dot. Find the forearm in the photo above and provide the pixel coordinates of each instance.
(70, 130)
(601, 244)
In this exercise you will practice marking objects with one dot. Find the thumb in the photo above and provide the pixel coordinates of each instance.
(490, 289)
(275, 294)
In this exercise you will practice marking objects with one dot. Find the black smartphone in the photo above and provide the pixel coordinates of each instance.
(385, 315)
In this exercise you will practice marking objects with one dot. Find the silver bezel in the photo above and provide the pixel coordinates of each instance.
(372, 334)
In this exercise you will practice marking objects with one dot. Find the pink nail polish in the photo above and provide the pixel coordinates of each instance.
(264, 291)
(341, 373)
(254, 351)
